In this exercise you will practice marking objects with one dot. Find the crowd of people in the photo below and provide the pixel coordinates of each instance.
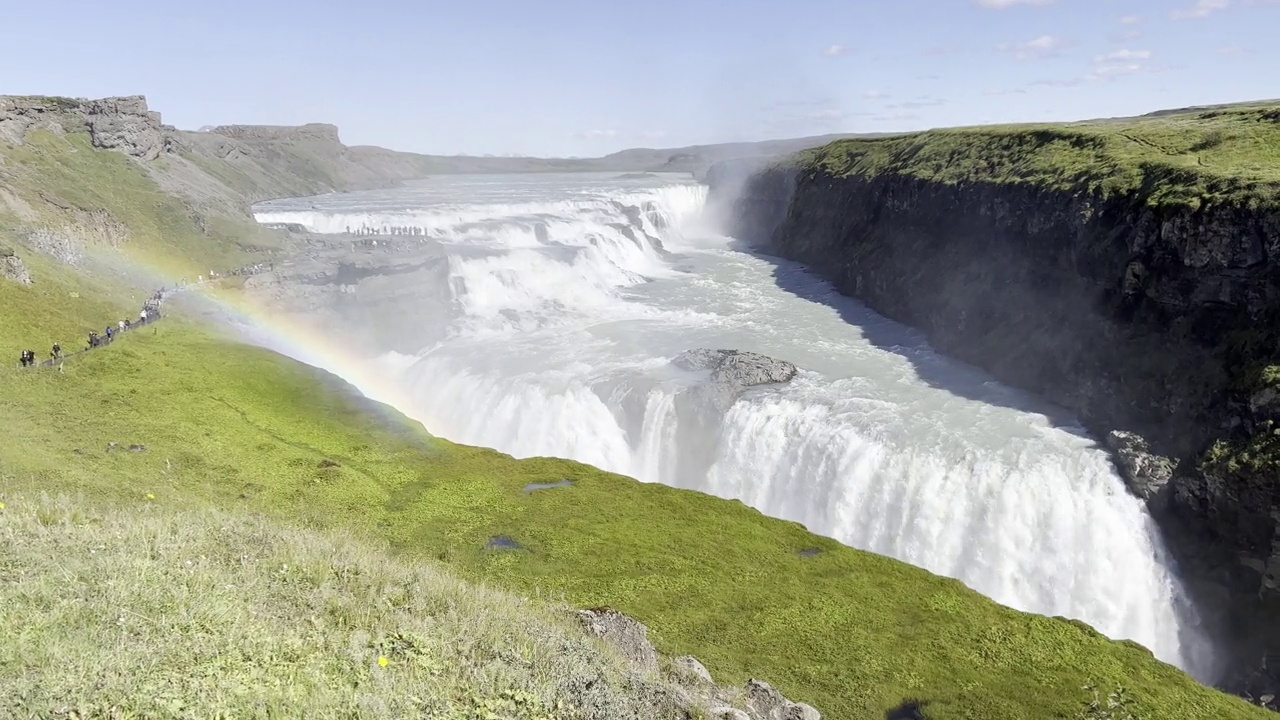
(149, 313)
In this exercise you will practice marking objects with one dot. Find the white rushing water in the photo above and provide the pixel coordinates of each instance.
(571, 294)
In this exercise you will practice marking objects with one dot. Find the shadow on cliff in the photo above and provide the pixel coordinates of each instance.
(932, 367)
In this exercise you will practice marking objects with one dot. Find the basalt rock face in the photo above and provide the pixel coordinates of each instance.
(116, 123)
(1135, 317)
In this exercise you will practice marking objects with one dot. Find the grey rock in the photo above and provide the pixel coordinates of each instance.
(1145, 473)
(690, 671)
(733, 371)
(125, 124)
(727, 713)
(12, 268)
(628, 636)
(765, 703)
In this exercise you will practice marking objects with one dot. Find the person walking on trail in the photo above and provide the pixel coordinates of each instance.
(57, 351)
(120, 326)
(142, 317)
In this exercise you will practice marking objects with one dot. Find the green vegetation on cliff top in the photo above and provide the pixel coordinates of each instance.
(1191, 157)
(244, 429)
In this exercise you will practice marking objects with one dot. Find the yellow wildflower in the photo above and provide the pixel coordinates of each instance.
(1, 506)
(151, 496)
(382, 662)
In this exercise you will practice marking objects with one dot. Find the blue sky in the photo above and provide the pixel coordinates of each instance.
(587, 77)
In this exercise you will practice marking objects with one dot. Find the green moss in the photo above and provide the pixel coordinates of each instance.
(851, 632)
(1190, 158)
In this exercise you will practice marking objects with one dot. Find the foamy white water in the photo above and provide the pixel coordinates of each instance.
(571, 293)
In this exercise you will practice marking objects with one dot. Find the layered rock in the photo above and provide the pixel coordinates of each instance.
(1130, 313)
(117, 123)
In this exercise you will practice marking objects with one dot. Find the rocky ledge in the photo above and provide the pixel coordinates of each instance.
(115, 123)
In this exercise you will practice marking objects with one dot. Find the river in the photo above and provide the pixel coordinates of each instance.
(568, 295)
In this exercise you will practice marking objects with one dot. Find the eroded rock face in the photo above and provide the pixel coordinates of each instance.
(116, 123)
(1147, 475)
(125, 124)
(733, 371)
(1126, 313)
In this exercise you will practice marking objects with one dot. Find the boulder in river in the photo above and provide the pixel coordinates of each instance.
(733, 371)
(1145, 473)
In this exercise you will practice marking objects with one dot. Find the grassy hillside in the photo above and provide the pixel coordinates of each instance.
(207, 614)
(248, 431)
(850, 632)
(1188, 157)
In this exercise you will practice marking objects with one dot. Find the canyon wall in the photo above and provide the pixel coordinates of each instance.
(1148, 310)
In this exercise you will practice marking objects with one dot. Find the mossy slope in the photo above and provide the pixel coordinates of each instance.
(1194, 157)
(850, 632)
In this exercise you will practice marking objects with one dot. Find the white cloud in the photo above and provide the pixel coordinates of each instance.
(923, 102)
(838, 50)
(1042, 47)
(992, 92)
(1123, 55)
(1130, 19)
(1002, 4)
(1127, 36)
(1202, 8)
(828, 114)
(875, 95)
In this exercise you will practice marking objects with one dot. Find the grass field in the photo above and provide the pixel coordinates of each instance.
(231, 432)
(1187, 158)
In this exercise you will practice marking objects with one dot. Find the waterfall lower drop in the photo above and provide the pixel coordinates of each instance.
(570, 295)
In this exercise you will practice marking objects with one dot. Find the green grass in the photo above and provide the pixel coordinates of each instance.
(849, 632)
(1230, 154)
(145, 612)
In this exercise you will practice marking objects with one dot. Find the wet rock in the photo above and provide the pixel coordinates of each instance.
(1145, 473)
(502, 542)
(733, 371)
(765, 703)
(628, 636)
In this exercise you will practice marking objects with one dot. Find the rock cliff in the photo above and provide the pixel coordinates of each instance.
(1092, 267)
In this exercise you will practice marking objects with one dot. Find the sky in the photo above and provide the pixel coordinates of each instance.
(589, 77)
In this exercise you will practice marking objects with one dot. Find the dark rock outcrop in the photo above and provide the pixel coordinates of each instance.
(1131, 314)
(733, 371)
(1146, 474)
